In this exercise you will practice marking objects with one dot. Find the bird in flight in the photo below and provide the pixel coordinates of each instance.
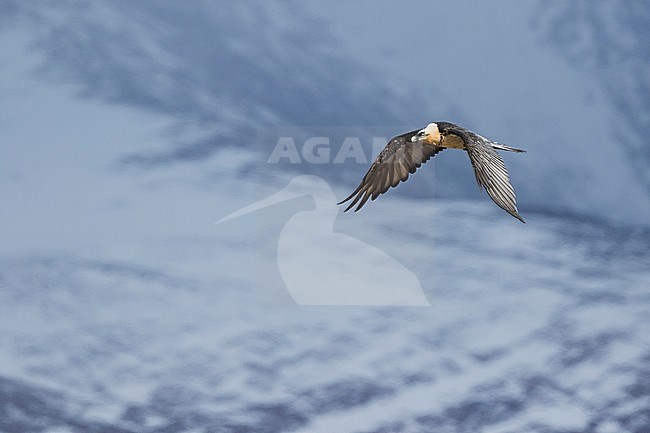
(405, 153)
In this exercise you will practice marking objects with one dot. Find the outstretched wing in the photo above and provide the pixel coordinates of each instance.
(489, 169)
(393, 165)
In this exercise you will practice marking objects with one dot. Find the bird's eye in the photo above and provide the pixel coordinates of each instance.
(420, 134)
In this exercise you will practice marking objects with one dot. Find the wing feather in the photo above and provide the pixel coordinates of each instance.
(393, 165)
(489, 169)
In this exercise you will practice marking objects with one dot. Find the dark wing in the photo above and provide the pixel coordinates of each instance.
(393, 165)
(489, 169)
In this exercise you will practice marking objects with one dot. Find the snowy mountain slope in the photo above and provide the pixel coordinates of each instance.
(124, 308)
(227, 72)
(491, 68)
(226, 69)
(542, 330)
(609, 41)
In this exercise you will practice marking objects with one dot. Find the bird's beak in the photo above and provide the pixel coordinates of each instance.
(417, 137)
(276, 198)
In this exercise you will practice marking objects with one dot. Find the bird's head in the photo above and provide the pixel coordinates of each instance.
(430, 134)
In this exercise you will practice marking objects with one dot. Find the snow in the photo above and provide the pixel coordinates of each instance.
(123, 307)
(481, 65)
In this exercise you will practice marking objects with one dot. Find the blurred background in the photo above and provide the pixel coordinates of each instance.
(128, 128)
